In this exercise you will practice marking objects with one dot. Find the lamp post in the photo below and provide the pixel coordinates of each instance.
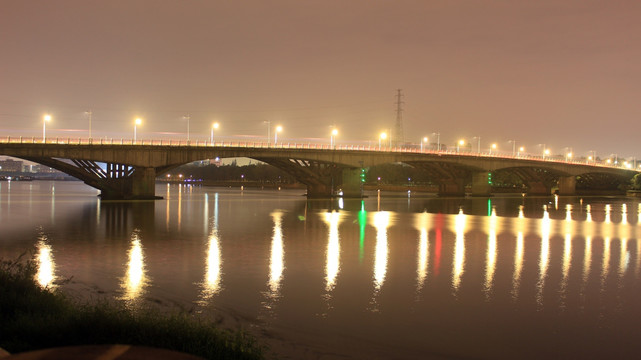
(478, 144)
(46, 118)
(492, 147)
(459, 144)
(269, 129)
(276, 131)
(513, 147)
(89, 113)
(331, 138)
(423, 140)
(213, 126)
(438, 140)
(188, 118)
(521, 149)
(136, 123)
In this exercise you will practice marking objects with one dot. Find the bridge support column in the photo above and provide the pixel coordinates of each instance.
(538, 188)
(144, 183)
(567, 185)
(481, 183)
(455, 187)
(352, 184)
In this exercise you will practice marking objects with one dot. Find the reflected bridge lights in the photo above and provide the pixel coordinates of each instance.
(45, 275)
(332, 267)
(135, 278)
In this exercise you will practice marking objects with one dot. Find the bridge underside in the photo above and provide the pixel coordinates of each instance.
(115, 181)
(323, 179)
(129, 171)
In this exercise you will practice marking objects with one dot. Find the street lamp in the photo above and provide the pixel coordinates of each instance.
(278, 129)
(331, 138)
(478, 144)
(380, 138)
(423, 140)
(459, 144)
(188, 117)
(89, 113)
(493, 147)
(513, 147)
(521, 149)
(46, 118)
(438, 140)
(136, 123)
(546, 152)
(213, 126)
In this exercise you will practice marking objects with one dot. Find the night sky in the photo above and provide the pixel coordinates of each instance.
(561, 73)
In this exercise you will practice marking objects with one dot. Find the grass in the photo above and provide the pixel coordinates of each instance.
(34, 318)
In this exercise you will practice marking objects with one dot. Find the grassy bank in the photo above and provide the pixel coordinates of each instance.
(35, 318)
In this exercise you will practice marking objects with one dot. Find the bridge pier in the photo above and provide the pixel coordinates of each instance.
(141, 185)
(481, 183)
(352, 184)
(567, 185)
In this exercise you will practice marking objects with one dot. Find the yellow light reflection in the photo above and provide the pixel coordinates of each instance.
(422, 223)
(545, 254)
(606, 262)
(332, 266)
(213, 267)
(624, 214)
(167, 208)
(608, 212)
(490, 267)
(624, 257)
(518, 265)
(568, 212)
(276, 262)
(587, 260)
(567, 259)
(588, 210)
(135, 279)
(381, 223)
(180, 204)
(459, 250)
(45, 274)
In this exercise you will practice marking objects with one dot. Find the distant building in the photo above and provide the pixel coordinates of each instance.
(8, 165)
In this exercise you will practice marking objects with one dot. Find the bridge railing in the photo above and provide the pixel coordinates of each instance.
(296, 145)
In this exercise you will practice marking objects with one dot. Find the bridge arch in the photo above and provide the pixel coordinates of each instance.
(130, 169)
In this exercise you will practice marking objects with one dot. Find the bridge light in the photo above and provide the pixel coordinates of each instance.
(331, 139)
(277, 130)
(489, 178)
(383, 136)
(137, 122)
(213, 126)
(363, 175)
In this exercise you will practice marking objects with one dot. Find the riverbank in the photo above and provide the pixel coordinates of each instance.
(34, 318)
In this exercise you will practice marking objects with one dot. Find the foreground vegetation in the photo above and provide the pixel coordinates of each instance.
(34, 318)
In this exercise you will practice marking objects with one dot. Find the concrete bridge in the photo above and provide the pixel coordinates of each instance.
(128, 169)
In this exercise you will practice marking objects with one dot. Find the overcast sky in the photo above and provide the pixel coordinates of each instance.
(563, 73)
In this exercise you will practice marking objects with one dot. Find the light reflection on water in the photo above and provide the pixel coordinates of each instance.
(384, 273)
(45, 274)
(135, 279)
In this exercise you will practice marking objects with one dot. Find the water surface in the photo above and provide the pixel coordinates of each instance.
(387, 277)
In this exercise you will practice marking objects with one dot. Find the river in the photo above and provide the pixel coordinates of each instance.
(396, 276)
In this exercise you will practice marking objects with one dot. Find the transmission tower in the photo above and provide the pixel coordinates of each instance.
(397, 137)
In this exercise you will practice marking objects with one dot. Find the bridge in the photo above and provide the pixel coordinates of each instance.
(127, 169)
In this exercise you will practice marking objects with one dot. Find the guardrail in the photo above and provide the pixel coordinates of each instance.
(289, 145)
